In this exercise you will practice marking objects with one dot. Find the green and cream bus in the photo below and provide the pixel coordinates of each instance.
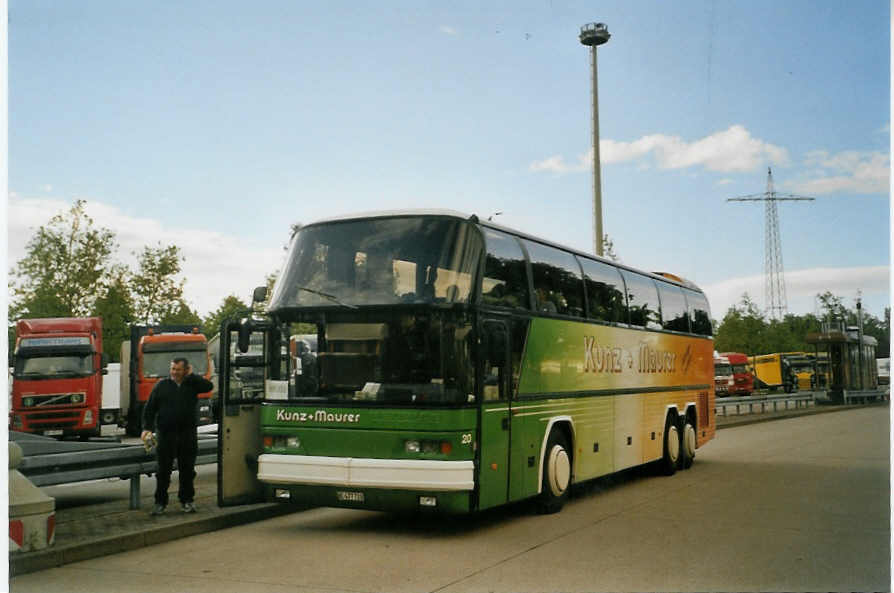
(460, 365)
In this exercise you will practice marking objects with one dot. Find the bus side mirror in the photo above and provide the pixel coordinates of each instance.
(259, 295)
(244, 335)
(105, 362)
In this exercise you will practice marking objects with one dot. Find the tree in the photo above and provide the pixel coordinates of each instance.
(115, 307)
(743, 329)
(832, 306)
(230, 307)
(157, 294)
(66, 260)
(181, 314)
(608, 248)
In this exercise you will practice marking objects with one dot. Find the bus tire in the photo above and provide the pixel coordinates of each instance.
(670, 459)
(556, 479)
(687, 444)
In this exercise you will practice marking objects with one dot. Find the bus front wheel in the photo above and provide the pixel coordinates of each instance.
(671, 457)
(556, 479)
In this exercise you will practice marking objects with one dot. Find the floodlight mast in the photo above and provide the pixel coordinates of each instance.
(594, 35)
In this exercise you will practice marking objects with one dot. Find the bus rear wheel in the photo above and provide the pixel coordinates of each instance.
(687, 445)
(670, 460)
(556, 479)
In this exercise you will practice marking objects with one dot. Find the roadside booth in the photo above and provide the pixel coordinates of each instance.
(852, 374)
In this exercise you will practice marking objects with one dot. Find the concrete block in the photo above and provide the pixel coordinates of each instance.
(32, 514)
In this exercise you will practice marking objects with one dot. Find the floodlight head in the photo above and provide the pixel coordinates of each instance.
(594, 34)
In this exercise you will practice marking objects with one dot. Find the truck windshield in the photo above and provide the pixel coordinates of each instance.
(392, 358)
(53, 367)
(722, 370)
(382, 261)
(739, 369)
(158, 364)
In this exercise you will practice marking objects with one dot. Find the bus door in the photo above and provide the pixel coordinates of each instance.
(241, 390)
(493, 474)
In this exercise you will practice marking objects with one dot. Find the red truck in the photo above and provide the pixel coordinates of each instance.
(743, 379)
(146, 358)
(57, 385)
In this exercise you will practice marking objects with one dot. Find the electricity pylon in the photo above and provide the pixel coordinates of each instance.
(775, 302)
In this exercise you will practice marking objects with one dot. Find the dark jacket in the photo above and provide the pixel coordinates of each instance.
(172, 407)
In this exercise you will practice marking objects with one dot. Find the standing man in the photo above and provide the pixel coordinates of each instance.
(171, 412)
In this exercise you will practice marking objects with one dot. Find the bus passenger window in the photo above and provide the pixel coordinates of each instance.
(605, 291)
(673, 307)
(505, 282)
(642, 300)
(699, 313)
(558, 285)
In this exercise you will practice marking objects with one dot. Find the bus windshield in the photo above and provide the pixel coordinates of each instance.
(53, 367)
(394, 358)
(158, 364)
(380, 261)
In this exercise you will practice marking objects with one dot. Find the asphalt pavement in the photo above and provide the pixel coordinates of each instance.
(93, 530)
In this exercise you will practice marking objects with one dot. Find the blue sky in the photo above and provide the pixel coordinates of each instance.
(215, 125)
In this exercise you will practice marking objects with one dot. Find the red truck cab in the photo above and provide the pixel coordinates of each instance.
(156, 348)
(57, 377)
(743, 379)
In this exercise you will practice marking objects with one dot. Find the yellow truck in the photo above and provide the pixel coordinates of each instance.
(775, 371)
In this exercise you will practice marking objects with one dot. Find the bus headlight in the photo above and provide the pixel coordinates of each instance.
(281, 442)
(427, 446)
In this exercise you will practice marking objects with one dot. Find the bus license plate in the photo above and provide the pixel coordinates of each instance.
(344, 496)
(52, 433)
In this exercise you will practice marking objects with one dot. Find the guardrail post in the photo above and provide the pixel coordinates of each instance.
(135, 491)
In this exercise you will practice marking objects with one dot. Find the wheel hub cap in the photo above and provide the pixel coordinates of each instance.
(559, 470)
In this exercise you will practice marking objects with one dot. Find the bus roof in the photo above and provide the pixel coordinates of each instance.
(473, 218)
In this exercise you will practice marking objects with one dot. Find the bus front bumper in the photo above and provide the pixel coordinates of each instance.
(350, 472)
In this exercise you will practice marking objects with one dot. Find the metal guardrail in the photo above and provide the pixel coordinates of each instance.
(127, 462)
(766, 402)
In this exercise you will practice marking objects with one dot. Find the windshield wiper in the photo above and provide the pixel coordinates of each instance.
(325, 295)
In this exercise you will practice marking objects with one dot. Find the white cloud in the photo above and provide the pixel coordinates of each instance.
(448, 30)
(846, 172)
(216, 265)
(801, 286)
(733, 149)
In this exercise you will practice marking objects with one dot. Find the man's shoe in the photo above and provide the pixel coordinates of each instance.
(158, 509)
(189, 507)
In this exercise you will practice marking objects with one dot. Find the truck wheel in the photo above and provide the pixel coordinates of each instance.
(556, 479)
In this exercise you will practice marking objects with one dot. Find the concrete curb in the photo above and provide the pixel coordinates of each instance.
(66, 554)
